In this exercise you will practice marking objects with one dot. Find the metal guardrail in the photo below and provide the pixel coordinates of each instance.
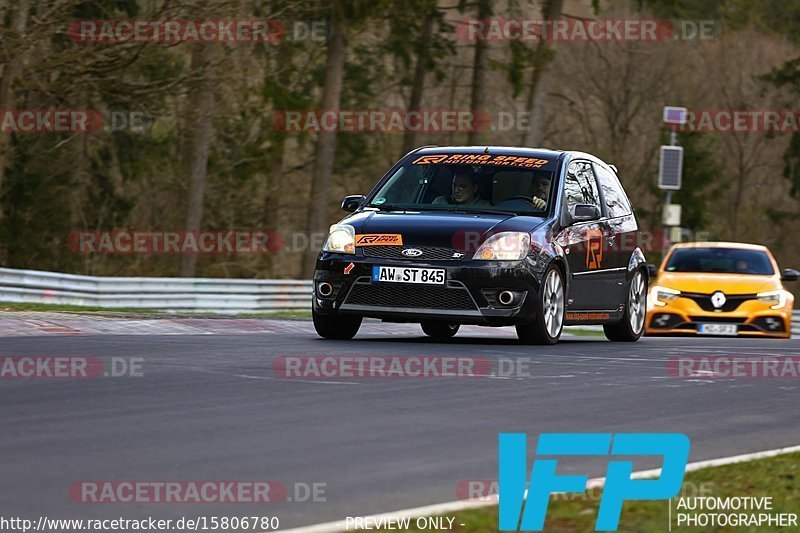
(165, 294)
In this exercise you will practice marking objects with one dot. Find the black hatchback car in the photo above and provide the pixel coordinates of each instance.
(494, 236)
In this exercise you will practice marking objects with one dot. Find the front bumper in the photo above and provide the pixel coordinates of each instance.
(753, 318)
(468, 296)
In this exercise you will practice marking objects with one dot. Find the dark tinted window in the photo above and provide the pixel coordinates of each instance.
(580, 186)
(614, 196)
(430, 186)
(722, 260)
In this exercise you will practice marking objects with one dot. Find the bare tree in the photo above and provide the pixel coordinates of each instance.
(540, 79)
(325, 152)
(11, 70)
(418, 85)
(479, 65)
(199, 130)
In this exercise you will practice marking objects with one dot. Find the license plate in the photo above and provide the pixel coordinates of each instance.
(717, 329)
(426, 276)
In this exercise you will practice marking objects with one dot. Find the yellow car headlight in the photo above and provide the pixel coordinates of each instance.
(778, 298)
(661, 295)
(341, 239)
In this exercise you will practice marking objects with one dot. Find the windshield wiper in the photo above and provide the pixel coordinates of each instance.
(482, 210)
(388, 207)
(451, 209)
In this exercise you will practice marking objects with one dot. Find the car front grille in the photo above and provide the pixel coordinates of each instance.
(732, 301)
(429, 253)
(397, 295)
(718, 319)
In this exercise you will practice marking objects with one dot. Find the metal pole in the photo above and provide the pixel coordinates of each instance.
(673, 141)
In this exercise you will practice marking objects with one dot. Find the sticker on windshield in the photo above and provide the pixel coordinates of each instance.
(379, 201)
(481, 159)
(379, 239)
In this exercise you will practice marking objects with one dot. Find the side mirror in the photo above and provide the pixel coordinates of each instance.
(352, 202)
(585, 212)
(652, 270)
(790, 274)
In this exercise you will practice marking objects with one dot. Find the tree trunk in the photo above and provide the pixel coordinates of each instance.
(477, 104)
(540, 80)
(12, 69)
(418, 87)
(325, 152)
(200, 128)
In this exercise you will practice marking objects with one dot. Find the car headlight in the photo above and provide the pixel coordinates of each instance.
(341, 239)
(778, 298)
(662, 295)
(505, 246)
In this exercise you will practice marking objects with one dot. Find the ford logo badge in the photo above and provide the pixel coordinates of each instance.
(412, 252)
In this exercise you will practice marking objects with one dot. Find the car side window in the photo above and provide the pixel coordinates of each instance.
(580, 186)
(615, 199)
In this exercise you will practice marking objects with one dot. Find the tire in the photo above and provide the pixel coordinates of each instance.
(631, 327)
(548, 324)
(336, 327)
(437, 329)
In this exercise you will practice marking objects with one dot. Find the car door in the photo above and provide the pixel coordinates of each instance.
(619, 229)
(592, 286)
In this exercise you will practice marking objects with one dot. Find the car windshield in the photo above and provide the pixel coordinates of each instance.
(720, 260)
(482, 183)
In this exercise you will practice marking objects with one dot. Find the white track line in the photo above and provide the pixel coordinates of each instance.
(449, 507)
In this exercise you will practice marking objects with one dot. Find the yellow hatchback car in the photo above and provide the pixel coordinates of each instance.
(720, 288)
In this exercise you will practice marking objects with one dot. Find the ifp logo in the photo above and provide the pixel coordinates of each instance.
(619, 486)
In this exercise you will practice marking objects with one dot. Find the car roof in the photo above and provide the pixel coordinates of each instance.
(740, 245)
(543, 153)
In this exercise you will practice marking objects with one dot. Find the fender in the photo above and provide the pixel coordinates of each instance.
(637, 262)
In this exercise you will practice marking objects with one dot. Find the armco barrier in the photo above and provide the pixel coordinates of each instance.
(164, 294)
(167, 294)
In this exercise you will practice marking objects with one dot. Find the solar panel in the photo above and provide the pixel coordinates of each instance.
(670, 168)
(674, 115)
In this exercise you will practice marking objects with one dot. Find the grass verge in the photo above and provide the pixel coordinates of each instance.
(11, 306)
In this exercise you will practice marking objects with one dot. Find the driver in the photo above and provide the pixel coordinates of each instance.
(541, 191)
(742, 266)
(465, 192)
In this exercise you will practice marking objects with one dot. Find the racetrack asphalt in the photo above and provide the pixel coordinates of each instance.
(210, 407)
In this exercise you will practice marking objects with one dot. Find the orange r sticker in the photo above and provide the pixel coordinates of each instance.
(379, 239)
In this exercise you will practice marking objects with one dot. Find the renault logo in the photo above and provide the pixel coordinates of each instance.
(718, 299)
(412, 252)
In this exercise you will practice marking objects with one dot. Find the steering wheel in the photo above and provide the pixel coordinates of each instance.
(520, 197)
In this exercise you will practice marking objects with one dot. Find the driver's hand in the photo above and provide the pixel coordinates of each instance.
(538, 202)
